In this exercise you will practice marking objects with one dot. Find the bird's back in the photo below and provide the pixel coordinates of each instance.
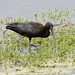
(26, 28)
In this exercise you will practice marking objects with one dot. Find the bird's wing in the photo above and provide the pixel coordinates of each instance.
(25, 27)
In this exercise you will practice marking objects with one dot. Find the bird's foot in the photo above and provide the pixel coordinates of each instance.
(35, 45)
(19, 39)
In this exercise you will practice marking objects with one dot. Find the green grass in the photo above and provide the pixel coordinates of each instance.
(15, 54)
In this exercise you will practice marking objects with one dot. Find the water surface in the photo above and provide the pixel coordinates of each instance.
(16, 8)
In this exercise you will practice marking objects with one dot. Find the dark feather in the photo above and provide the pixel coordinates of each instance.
(26, 28)
(32, 29)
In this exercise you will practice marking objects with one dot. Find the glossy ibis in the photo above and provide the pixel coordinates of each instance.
(31, 29)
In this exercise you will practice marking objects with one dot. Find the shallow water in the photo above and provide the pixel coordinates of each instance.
(22, 8)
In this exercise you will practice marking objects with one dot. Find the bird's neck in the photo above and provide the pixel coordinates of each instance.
(46, 33)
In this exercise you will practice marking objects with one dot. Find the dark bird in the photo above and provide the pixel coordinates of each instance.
(31, 29)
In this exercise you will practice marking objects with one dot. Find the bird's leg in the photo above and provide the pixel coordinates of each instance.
(29, 44)
(19, 39)
(35, 45)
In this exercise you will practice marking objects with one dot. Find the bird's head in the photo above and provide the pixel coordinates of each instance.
(50, 26)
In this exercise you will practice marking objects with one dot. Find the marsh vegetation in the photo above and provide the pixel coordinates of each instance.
(46, 60)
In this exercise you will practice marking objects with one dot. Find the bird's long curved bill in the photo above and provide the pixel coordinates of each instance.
(53, 37)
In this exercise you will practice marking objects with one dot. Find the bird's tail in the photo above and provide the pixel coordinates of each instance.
(13, 28)
(12, 25)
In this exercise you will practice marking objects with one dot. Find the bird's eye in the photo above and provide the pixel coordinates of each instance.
(51, 26)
